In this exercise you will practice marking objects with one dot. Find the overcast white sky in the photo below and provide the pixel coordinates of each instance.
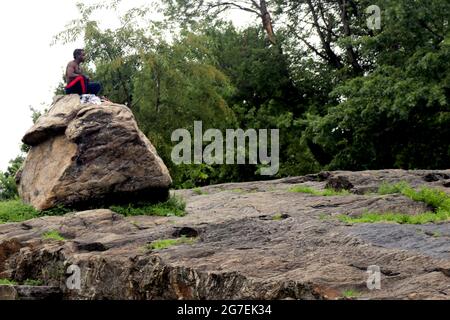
(31, 68)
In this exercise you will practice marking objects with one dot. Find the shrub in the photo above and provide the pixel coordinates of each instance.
(175, 206)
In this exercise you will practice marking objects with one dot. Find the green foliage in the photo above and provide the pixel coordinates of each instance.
(423, 218)
(16, 211)
(351, 294)
(167, 243)
(175, 206)
(7, 282)
(8, 187)
(180, 84)
(56, 211)
(395, 116)
(53, 235)
(33, 283)
(344, 97)
(199, 191)
(435, 198)
(436, 234)
(388, 188)
(321, 193)
(277, 217)
(265, 96)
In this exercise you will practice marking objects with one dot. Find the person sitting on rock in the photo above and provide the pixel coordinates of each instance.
(77, 82)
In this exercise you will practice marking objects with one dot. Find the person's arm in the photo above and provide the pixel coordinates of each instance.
(72, 71)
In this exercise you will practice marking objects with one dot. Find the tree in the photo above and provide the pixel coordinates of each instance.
(114, 55)
(8, 187)
(265, 95)
(188, 10)
(343, 96)
(328, 30)
(177, 85)
(398, 115)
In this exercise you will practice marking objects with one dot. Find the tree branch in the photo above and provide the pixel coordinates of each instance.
(212, 6)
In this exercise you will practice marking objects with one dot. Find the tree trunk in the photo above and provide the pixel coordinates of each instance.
(158, 93)
(352, 56)
(267, 21)
(332, 57)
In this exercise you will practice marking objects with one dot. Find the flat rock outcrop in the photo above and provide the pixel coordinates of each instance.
(84, 154)
(255, 240)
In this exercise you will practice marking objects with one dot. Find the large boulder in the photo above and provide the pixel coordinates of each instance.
(85, 154)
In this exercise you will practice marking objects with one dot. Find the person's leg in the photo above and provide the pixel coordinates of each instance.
(77, 86)
(75, 89)
(94, 88)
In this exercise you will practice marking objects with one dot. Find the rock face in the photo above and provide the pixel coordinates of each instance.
(256, 240)
(89, 154)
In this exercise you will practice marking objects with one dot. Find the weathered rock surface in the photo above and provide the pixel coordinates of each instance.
(242, 252)
(89, 154)
(22, 292)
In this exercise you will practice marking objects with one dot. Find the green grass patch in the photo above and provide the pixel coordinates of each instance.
(199, 191)
(324, 217)
(7, 282)
(436, 234)
(16, 211)
(277, 217)
(350, 294)
(33, 283)
(175, 206)
(53, 235)
(167, 243)
(322, 193)
(423, 218)
(57, 211)
(388, 188)
(436, 199)
(28, 282)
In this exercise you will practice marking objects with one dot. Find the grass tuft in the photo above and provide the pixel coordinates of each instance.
(53, 235)
(16, 211)
(277, 217)
(349, 294)
(388, 188)
(436, 199)
(7, 282)
(322, 193)
(33, 283)
(167, 243)
(175, 206)
(400, 218)
(199, 191)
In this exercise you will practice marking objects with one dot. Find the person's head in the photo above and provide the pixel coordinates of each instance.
(79, 55)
